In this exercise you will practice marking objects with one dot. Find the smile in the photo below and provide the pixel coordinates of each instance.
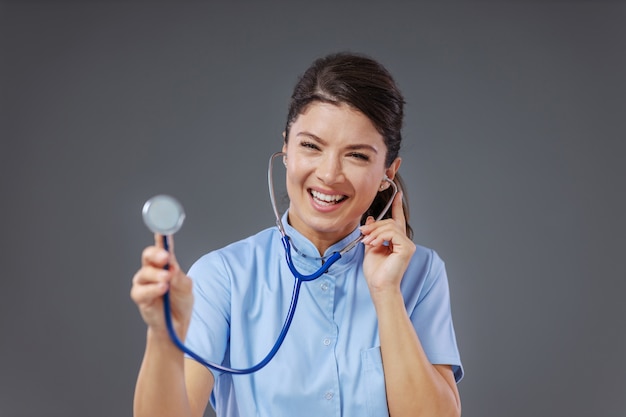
(326, 199)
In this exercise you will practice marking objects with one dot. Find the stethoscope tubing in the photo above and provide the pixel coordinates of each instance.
(295, 294)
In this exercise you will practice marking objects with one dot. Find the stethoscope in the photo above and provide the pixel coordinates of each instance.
(164, 215)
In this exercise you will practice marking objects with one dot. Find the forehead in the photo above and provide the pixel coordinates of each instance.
(336, 122)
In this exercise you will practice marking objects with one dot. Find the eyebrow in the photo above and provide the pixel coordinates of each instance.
(354, 147)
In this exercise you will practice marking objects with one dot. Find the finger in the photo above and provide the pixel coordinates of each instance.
(170, 243)
(151, 275)
(167, 243)
(380, 231)
(366, 228)
(147, 293)
(155, 256)
(158, 240)
(149, 282)
(371, 224)
(173, 261)
(181, 282)
(397, 213)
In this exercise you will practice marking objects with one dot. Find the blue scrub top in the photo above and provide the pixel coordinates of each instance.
(330, 362)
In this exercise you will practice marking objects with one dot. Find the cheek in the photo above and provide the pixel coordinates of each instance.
(371, 186)
(368, 188)
(368, 180)
(295, 178)
(299, 169)
(291, 172)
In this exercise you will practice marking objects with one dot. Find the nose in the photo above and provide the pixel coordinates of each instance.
(329, 170)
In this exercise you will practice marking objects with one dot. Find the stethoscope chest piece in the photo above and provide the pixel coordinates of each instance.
(163, 214)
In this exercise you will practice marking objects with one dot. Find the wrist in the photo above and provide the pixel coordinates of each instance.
(161, 337)
(387, 295)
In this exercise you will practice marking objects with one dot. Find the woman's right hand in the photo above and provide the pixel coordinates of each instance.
(152, 281)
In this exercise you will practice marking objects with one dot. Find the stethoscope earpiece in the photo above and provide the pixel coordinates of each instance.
(385, 184)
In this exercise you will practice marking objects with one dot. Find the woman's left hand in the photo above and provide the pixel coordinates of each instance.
(388, 250)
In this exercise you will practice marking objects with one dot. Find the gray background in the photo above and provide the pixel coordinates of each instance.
(514, 154)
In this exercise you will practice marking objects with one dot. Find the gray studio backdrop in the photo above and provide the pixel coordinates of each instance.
(514, 155)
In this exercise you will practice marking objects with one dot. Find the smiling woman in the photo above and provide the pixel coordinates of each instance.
(373, 337)
(335, 167)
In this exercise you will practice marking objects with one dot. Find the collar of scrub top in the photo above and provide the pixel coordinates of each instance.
(306, 256)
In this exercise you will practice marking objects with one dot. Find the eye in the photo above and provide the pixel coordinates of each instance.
(360, 156)
(309, 145)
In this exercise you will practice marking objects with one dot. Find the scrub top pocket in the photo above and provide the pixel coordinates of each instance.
(374, 378)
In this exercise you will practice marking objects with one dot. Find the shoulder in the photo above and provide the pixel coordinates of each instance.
(241, 251)
(261, 240)
(427, 261)
(426, 269)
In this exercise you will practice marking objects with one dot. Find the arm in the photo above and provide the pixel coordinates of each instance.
(167, 385)
(414, 386)
(160, 389)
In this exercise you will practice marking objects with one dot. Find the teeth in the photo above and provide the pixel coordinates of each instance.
(326, 198)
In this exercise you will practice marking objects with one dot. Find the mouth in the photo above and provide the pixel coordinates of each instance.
(326, 199)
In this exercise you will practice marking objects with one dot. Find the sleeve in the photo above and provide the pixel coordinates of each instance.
(432, 317)
(209, 328)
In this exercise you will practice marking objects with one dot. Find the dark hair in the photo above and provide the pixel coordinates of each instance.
(364, 84)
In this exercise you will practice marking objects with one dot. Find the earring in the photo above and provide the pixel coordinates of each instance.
(284, 160)
(382, 187)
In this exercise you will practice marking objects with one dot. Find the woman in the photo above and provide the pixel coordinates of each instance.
(372, 337)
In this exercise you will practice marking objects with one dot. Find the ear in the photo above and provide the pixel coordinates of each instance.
(393, 168)
(284, 142)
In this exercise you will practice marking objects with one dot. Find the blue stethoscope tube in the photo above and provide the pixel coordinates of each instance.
(299, 278)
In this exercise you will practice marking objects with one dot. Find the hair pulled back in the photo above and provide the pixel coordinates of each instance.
(366, 85)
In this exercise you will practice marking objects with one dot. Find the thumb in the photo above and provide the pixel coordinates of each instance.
(167, 243)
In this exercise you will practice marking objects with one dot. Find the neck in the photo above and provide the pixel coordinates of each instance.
(321, 241)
